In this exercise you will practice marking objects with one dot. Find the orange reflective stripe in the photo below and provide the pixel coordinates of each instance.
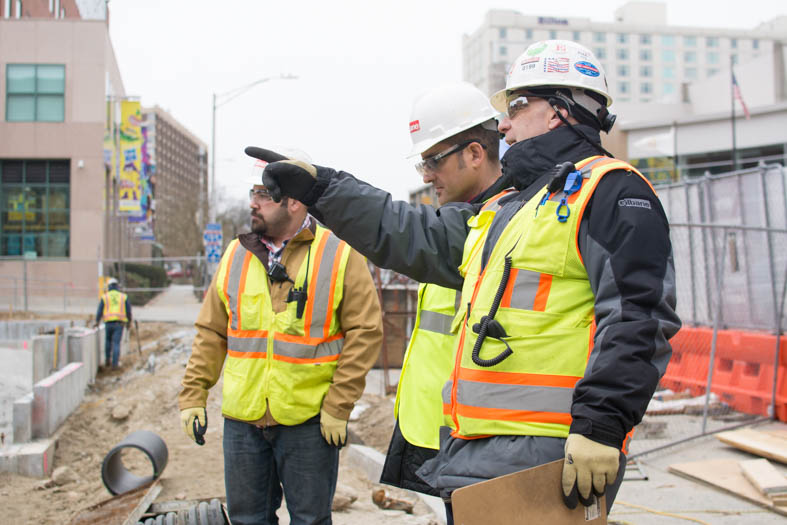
(506, 414)
(505, 301)
(307, 319)
(258, 334)
(626, 441)
(301, 361)
(544, 285)
(227, 281)
(242, 282)
(515, 378)
(247, 355)
(306, 340)
(334, 274)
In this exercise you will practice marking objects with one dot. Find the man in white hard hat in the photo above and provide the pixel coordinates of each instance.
(453, 129)
(114, 309)
(292, 315)
(568, 296)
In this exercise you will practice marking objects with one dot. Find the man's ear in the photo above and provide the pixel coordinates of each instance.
(554, 120)
(477, 154)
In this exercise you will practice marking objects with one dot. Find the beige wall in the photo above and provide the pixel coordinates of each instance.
(86, 51)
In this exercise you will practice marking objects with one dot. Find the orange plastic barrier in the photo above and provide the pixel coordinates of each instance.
(743, 368)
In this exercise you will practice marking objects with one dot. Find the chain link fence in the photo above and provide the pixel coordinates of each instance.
(729, 239)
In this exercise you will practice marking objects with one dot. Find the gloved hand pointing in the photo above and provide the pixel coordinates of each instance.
(284, 177)
(588, 464)
(194, 422)
(333, 429)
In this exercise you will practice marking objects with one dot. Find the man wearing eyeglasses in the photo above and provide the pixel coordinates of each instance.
(568, 294)
(453, 129)
(293, 316)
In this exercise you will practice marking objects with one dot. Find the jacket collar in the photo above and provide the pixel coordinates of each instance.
(526, 161)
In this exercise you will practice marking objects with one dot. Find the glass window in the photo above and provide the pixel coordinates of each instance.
(734, 43)
(690, 57)
(645, 40)
(712, 71)
(622, 38)
(576, 36)
(552, 34)
(645, 55)
(502, 32)
(712, 41)
(623, 87)
(668, 72)
(646, 88)
(600, 52)
(734, 59)
(622, 53)
(668, 88)
(623, 70)
(667, 40)
(529, 34)
(503, 51)
(599, 37)
(35, 92)
(712, 57)
(645, 71)
(668, 55)
(34, 207)
(755, 44)
(690, 41)
(690, 73)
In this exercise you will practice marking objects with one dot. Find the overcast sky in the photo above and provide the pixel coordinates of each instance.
(359, 65)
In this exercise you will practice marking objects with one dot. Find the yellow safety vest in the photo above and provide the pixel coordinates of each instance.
(547, 311)
(114, 306)
(276, 360)
(428, 359)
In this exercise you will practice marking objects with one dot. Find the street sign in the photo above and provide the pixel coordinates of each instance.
(213, 253)
(212, 239)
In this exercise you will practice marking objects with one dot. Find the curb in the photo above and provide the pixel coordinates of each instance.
(371, 462)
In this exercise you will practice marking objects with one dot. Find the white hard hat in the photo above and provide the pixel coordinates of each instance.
(446, 110)
(111, 281)
(254, 178)
(559, 64)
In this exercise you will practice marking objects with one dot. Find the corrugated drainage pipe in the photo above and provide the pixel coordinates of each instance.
(117, 479)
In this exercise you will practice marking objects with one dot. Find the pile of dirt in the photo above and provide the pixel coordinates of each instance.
(373, 422)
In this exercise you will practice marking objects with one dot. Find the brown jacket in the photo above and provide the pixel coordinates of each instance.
(359, 315)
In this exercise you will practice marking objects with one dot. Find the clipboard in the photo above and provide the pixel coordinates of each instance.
(532, 496)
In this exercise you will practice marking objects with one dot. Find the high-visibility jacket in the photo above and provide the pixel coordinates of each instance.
(278, 360)
(546, 307)
(429, 356)
(114, 306)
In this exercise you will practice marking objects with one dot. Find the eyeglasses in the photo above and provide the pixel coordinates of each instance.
(430, 164)
(259, 195)
(515, 103)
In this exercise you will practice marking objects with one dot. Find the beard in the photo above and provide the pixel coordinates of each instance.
(258, 225)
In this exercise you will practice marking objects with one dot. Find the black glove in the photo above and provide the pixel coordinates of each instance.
(284, 177)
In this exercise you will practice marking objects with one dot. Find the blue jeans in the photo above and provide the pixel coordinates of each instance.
(259, 463)
(113, 334)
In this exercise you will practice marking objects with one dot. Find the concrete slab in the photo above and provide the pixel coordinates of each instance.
(23, 419)
(55, 397)
(16, 380)
(82, 347)
(34, 459)
(27, 329)
(50, 353)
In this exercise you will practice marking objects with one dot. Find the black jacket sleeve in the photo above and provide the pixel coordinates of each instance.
(128, 309)
(100, 311)
(418, 241)
(626, 249)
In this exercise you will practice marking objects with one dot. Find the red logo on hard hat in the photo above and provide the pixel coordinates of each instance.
(415, 126)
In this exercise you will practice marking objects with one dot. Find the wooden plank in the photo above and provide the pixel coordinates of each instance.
(121, 509)
(725, 474)
(764, 476)
(755, 442)
(535, 493)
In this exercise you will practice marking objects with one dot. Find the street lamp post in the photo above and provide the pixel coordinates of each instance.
(218, 101)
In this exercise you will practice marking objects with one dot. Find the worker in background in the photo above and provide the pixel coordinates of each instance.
(293, 316)
(453, 129)
(568, 297)
(115, 310)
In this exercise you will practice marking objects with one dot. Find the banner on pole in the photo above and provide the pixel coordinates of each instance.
(130, 184)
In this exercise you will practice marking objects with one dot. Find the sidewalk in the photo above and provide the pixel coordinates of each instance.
(177, 304)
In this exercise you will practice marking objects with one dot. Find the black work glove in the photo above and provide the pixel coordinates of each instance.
(284, 177)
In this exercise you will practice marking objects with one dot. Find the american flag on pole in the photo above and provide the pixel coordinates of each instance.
(736, 92)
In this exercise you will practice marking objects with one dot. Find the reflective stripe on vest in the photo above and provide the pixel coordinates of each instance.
(427, 362)
(277, 360)
(114, 306)
(547, 310)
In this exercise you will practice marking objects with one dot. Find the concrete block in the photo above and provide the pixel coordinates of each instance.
(55, 397)
(16, 380)
(29, 459)
(81, 343)
(31, 328)
(23, 419)
(46, 357)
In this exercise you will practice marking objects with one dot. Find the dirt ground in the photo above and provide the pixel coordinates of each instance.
(146, 387)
